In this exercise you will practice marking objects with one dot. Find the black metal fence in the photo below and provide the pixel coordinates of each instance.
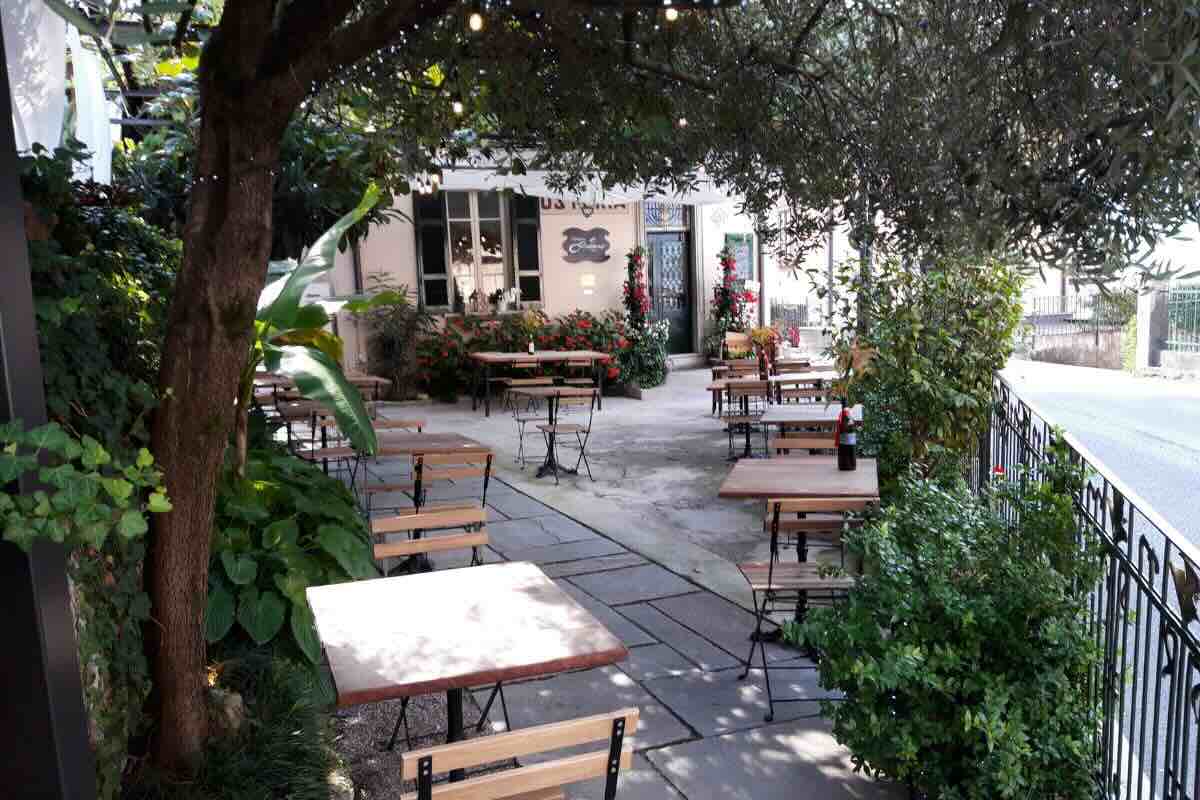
(1183, 318)
(1142, 613)
(787, 315)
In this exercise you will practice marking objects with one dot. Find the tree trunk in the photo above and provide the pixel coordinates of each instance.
(227, 242)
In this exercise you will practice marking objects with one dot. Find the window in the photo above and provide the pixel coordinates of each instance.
(477, 240)
(657, 214)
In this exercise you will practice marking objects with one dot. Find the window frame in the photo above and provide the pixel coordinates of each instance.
(511, 271)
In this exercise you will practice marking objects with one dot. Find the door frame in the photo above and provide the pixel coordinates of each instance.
(689, 326)
(693, 230)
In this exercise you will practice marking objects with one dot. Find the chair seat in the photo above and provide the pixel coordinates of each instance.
(741, 419)
(792, 576)
(528, 381)
(567, 427)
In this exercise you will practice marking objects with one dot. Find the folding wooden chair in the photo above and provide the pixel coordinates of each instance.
(525, 376)
(569, 432)
(778, 586)
(745, 404)
(543, 780)
(580, 372)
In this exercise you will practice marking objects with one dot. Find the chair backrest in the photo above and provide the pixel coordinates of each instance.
(382, 424)
(739, 369)
(452, 466)
(431, 544)
(749, 389)
(579, 363)
(526, 364)
(612, 728)
(735, 341)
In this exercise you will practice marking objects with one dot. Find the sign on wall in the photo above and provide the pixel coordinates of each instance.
(552, 205)
(585, 245)
(742, 247)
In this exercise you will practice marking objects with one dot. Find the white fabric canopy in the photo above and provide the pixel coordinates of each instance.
(534, 184)
(35, 47)
(92, 115)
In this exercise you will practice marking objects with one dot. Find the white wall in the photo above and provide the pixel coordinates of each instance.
(586, 285)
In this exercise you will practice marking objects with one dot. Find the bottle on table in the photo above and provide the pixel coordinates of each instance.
(531, 345)
(847, 440)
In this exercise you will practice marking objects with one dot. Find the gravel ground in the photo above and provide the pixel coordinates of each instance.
(361, 734)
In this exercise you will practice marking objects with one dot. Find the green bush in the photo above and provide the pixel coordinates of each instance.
(964, 652)
(922, 362)
(284, 748)
(285, 527)
(96, 507)
(102, 277)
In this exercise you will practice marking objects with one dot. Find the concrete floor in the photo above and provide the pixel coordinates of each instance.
(658, 463)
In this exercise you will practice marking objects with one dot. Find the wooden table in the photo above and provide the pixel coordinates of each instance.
(798, 478)
(451, 630)
(552, 394)
(484, 361)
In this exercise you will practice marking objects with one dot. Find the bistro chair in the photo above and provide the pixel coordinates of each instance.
(780, 586)
(432, 469)
(526, 373)
(580, 372)
(523, 415)
(744, 406)
(538, 779)
(574, 435)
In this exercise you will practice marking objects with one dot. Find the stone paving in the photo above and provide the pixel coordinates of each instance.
(702, 733)
(650, 550)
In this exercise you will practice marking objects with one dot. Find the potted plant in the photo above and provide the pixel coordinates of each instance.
(496, 298)
(766, 342)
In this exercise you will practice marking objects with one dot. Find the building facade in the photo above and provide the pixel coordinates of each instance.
(562, 255)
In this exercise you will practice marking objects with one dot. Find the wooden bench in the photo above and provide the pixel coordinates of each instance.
(530, 781)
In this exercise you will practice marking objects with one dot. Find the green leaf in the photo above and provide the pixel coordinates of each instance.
(281, 534)
(318, 377)
(144, 459)
(94, 455)
(241, 569)
(158, 503)
(279, 302)
(304, 631)
(260, 613)
(118, 488)
(351, 553)
(132, 524)
(219, 615)
(50, 437)
(292, 585)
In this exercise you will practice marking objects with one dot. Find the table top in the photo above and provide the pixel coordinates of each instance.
(368, 380)
(554, 391)
(805, 377)
(402, 443)
(416, 634)
(782, 414)
(800, 477)
(541, 356)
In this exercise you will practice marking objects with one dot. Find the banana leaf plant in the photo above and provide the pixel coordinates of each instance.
(290, 339)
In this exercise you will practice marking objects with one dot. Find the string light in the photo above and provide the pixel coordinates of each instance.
(672, 13)
(475, 21)
(456, 105)
(682, 122)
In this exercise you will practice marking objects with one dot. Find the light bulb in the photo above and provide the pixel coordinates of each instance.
(457, 107)
(672, 14)
(475, 21)
(682, 122)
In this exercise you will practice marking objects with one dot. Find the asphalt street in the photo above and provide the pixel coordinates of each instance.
(1144, 430)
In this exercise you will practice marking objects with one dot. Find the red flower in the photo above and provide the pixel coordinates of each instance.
(445, 354)
(998, 471)
(613, 372)
(583, 323)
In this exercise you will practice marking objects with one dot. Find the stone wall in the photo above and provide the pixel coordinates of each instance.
(1086, 349)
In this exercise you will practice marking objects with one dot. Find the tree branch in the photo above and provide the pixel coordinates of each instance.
(662, 70)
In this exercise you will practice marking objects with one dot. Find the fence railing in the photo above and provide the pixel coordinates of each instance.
(789, 315)
(1053, 315)
(1183, 319)
(1143, 614)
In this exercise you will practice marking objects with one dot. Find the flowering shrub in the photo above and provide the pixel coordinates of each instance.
(644, 362)
(443, 358)
(729, 307)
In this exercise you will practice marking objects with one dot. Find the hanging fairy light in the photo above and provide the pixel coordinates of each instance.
(682, 122)
(475, 21)
(456, 105)
(672, 13)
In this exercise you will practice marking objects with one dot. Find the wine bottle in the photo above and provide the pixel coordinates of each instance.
(847, 444)
(531, 345)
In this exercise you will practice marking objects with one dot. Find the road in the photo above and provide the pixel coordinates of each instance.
(1144, 430)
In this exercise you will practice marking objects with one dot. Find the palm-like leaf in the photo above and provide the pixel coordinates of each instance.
(279, 303)
(319, 378)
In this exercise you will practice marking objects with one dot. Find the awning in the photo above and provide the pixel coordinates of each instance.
(534, 184)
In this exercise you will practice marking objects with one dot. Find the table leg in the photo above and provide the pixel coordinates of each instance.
(454, 724)
(600, 367)
(746, 415)
(548, 465)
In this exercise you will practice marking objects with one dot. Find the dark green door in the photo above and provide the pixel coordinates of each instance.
(670, 279)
